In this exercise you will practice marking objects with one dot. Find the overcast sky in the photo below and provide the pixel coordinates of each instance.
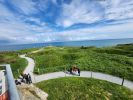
(33, 21)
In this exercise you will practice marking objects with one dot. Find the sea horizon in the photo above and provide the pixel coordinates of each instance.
(96, 43)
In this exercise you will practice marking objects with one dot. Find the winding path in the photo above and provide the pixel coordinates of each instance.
(88, 74)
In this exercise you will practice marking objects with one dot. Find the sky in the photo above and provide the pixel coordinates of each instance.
(39, 21)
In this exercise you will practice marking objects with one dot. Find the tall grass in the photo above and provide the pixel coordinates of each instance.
(17, 64)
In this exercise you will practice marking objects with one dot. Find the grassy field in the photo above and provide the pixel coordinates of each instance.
(116, 60)
(17, 64)
(84, 89)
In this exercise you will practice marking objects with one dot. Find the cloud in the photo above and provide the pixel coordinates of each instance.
(102, 32)
(119, 9)
(16, 29)
(4, 13)
(25, 21)
(79, 11)
(24, 6)
(92, 11)
(21, 32)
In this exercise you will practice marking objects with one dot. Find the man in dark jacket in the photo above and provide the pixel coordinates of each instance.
(78, 71)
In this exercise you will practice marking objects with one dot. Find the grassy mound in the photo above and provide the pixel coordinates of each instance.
(84, 89)
(117, 60)
(17, 64)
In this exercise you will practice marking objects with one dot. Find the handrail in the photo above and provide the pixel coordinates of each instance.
(13, 93)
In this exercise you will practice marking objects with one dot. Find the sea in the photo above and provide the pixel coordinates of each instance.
(96, 43)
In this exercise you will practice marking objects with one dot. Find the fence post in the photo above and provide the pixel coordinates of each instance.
(122, 81)
(65, 71)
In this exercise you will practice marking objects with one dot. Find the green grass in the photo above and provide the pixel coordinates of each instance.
(17, 64)
(112, 60)
(84, 89)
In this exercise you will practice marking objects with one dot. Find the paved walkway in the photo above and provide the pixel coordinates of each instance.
(30, 67)
(87, 74)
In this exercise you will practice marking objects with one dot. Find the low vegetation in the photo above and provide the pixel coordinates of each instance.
(17, 64)
(84, 89)
(116, 60)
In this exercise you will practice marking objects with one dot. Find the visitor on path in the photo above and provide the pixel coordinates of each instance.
(29, 79)
(78, 71)
(74, 70)
(70, 70)
(26, 78)
(17, 82)
(23, 78)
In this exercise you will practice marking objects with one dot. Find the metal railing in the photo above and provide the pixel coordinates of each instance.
(12, 89)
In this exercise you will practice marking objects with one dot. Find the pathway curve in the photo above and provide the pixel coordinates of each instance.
(87, 74)
(30, 67)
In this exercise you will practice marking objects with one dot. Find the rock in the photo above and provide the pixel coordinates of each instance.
(31, 92)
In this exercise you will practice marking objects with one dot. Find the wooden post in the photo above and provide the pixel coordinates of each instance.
(122, 81)
(65, 71)
(123, 76)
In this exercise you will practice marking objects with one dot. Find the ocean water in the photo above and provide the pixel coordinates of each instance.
(97, 43)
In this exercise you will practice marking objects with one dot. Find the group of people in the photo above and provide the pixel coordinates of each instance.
(74, 70)
(25, 78)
